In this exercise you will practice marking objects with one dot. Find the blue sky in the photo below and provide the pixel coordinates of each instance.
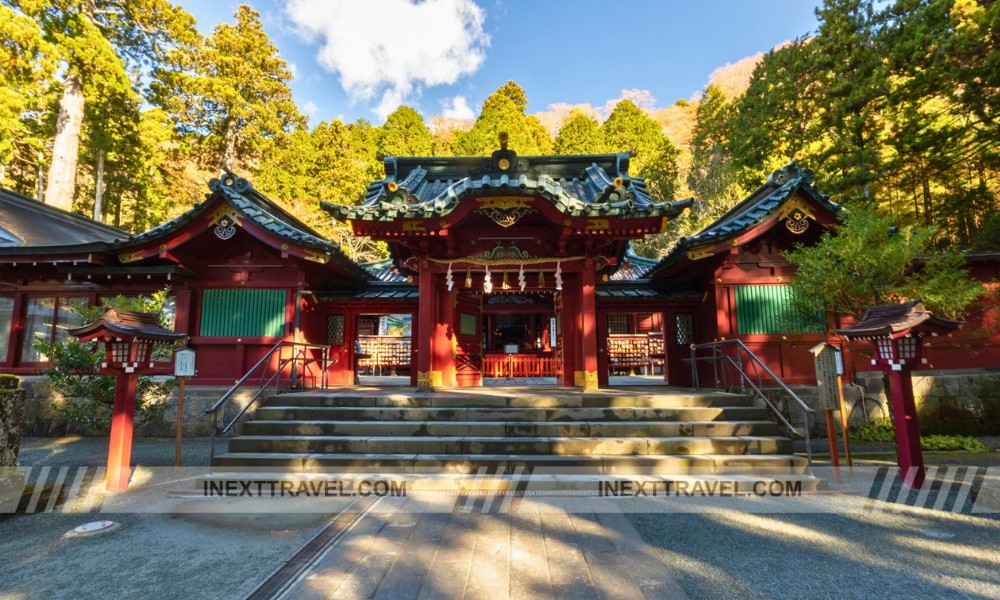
(361, 58)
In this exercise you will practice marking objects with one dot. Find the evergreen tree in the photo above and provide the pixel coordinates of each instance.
(849, 67)
(405, 134)
(102, 47)
(580, 134)
(628, 127)
(867, 262)
(25, 92)
(503, 111)
(233, 91)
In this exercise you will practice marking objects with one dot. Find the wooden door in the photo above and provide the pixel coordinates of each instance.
(469, 335)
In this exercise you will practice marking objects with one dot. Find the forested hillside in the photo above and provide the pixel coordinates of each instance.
(895, 104)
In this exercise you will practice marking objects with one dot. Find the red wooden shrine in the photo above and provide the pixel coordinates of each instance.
(244, 274)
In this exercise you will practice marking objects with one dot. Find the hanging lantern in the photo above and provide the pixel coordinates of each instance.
(559, 276)
(541, 279)
(448, 279)
(521, 281)
(468, 278)
(506, 284)
(487, 282)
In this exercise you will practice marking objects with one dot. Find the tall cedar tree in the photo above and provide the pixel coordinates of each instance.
(25, 84)
(233, 91)
(103, 44)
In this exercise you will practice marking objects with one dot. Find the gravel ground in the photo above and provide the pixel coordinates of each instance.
(75, 451)
(166, 547)
(193, 547)
(851, 551)
(916, 554)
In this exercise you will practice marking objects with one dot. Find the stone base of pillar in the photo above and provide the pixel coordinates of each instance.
(585, 379)
(429, 380)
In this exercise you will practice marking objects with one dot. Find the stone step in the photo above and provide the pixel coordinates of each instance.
(321, 486)
(521, 445)
(510, 429)
(389, 463)
(278, 412)
(664, 400)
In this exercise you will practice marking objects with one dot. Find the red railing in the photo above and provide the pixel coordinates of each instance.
(518, 365)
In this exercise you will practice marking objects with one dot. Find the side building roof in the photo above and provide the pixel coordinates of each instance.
(252, 205)
(770, 200)
(28, 226)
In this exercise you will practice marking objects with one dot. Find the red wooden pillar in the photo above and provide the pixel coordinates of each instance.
(587, 378)
(911, 457)
(443, 348)
(570, 326)
(668, 331)
(425, 327)
(602, 348)
(120, 451)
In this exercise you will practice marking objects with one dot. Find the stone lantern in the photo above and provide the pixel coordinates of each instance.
(897, 332)
(128, 339)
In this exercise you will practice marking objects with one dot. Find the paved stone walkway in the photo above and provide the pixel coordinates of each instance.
(487, 547)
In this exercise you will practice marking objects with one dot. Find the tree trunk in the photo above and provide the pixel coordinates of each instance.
(229, 155)
(926, 189)
(66, 150)
(99, 188)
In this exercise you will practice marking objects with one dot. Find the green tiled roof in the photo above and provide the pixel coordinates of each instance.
(579, 186)
(259, 209)
(779, 187)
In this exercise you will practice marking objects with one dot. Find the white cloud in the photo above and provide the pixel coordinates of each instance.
(457, 108)
(387, 51)
(293, 69)
(310, 108)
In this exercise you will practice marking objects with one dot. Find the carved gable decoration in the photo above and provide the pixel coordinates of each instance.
(505, 210)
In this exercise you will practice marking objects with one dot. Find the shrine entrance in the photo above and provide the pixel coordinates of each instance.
(520, 338)
(505, 250)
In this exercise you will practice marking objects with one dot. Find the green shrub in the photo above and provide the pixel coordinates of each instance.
(8, 382)
(876, 430)
(952, 442)
(882, 430)
(89, 396)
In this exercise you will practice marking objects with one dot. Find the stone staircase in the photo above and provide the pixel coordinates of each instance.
(494, 438)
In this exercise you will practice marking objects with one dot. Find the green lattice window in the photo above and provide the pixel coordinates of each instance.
(767, 309)
(467, 324)
(684, 328)
(619, 323)
(251, 313)
(335, 330)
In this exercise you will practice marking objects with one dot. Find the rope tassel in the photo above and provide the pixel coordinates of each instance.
(468, 278)
(506, 284)
(541, 279)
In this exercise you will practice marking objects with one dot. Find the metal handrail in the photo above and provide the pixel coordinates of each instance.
(265, 382)
(755, 382)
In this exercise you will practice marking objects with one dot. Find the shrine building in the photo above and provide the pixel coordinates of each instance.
(504, 267)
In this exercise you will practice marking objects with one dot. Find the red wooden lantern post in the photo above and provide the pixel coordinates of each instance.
(897, 332)
(128, 339)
